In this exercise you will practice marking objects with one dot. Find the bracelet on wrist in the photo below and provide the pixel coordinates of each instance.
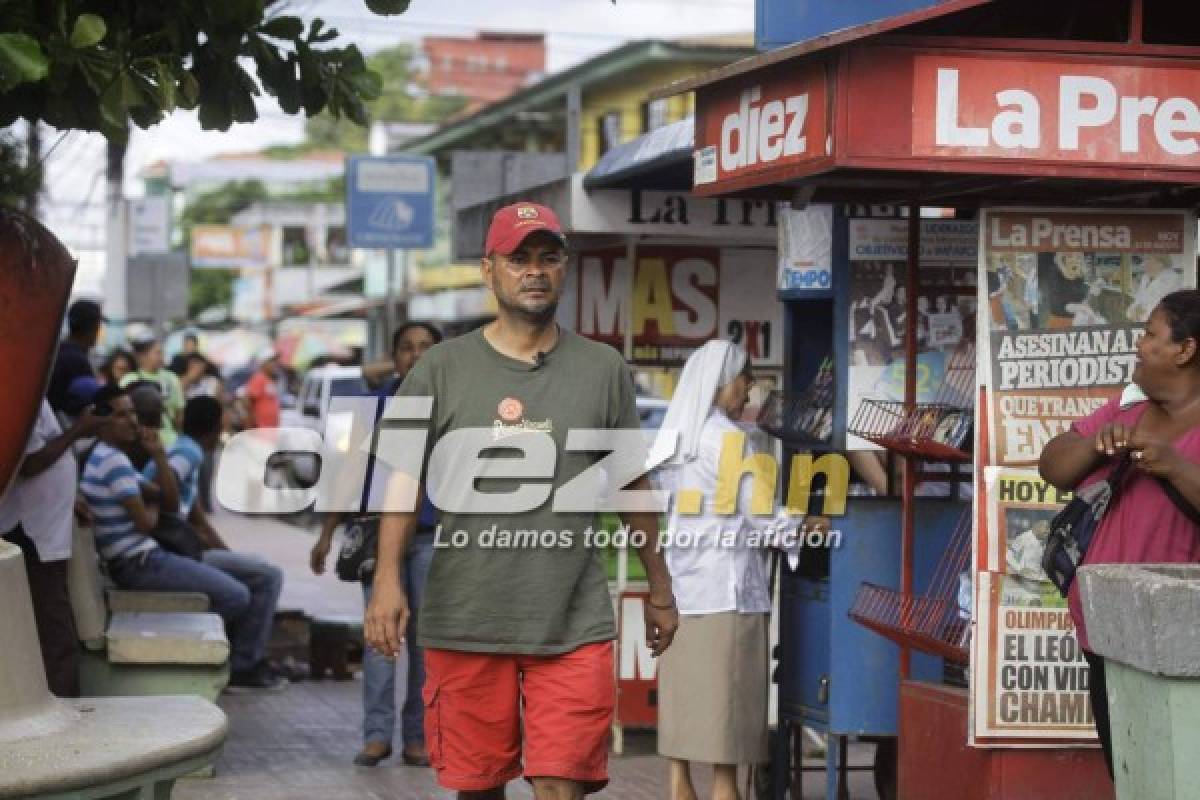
(666, 607)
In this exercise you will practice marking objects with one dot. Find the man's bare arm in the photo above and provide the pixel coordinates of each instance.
(387, 615)
(662, 617)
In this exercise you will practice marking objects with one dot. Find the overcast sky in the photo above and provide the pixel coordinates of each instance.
(575, 30)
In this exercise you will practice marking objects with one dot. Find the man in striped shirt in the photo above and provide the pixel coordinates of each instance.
(125, 525)
(200, 434)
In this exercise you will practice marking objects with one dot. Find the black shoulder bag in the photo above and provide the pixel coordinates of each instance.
(360, 540)
(173, 533)
(1073, 528)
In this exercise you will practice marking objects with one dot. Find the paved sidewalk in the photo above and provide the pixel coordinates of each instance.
(287, 545)
(298, 744)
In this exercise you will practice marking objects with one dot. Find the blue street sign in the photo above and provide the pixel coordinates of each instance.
(389, 202)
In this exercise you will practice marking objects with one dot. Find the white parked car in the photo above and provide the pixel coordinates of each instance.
(311, 410)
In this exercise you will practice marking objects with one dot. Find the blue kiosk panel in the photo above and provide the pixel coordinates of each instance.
(841, 676)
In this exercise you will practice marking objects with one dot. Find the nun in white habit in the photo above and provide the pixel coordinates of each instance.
(713, 679)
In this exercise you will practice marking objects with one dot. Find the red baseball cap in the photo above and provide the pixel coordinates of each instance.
(512, 224)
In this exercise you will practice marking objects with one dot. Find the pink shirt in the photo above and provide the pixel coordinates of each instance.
(1144, 526)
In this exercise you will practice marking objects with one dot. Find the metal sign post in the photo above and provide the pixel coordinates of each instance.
(390, 205)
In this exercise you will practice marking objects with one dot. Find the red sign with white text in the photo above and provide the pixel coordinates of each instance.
(748, 127)
(1056, 110)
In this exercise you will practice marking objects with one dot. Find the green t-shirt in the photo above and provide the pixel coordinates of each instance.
(172, 397)
(537, 600)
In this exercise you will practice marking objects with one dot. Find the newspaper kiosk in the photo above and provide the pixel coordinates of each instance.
(1068, 132)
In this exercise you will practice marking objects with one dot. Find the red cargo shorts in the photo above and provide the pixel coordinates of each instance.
(473, 718)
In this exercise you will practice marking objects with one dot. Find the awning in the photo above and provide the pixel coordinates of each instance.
(660, 159)
(965, 103)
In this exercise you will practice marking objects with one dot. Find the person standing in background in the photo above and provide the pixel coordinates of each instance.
(148, 352)
(84, 321)
(713, 690)
(409, 343)
(191, 346)
(260, 395)
(35, 515)
(119, 363)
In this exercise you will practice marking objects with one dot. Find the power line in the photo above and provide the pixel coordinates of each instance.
(361, 25)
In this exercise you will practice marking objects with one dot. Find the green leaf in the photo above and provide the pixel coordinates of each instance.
(189, 90)
(89, 31)
(21, 60)
(318, 34)
(284, 28)
(387, 7)
(367, 84)
(165, 82)
(215, 116)
(129, 90)
(113, 121)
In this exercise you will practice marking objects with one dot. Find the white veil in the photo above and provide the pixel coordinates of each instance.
(713, 366)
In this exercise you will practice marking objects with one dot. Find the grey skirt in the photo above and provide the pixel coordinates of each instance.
(712, 690)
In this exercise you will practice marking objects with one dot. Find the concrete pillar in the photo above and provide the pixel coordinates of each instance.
(27, 709)
(1142, 619)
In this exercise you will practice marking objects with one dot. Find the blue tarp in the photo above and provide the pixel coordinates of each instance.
(782, 22)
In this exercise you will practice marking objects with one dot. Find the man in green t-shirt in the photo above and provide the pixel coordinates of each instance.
(516, 612)
(148, 352)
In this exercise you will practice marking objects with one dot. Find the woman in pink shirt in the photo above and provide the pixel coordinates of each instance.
(1152, 518)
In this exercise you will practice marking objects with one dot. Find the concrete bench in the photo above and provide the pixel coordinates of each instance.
(133, 747)
(144, 643)
(122, 601)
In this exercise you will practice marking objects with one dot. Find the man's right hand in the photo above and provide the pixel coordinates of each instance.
(386, 617)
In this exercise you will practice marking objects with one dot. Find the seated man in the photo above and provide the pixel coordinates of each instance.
(125, 527)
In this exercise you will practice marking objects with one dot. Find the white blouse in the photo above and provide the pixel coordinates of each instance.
(714, 566)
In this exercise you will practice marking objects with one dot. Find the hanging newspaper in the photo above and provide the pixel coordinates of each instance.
(1034, 677)
(946, 307)
(1066, 294)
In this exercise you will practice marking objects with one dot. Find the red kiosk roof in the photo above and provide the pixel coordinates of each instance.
(860, 117)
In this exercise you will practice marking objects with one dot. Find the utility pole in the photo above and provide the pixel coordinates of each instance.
(33, 166)
(117, 215)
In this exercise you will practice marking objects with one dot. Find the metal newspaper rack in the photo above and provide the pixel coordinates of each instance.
(937, 431)
(930, 622)
(804, 419)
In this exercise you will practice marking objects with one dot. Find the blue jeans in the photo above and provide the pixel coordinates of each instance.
(243, 589)
(379, 672)
(265, 582)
